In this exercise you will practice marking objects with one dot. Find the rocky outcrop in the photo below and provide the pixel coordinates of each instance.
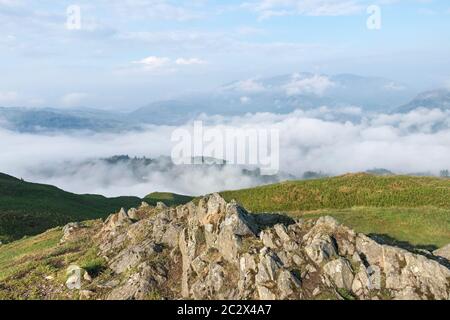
(443, 252)
(217, 250)
(69, 230)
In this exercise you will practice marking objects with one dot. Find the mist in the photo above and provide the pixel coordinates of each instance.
(320, 140)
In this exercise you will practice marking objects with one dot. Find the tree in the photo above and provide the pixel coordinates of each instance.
(445, 173)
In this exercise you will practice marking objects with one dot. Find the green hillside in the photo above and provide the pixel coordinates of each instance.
(29, 208)
(401, 210)
(169, 199)
(355, 190)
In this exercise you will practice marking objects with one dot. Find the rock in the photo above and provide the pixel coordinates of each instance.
(199, 266)
(87, 277)
(287, 284)
(74, 277)
(268, 239)
(211, 210)
(171, 234)
(281, 232)
(316, 292)
(265, 294)
(298, 260)
(216, 250)
(239, 221)
(321, 248)
(285, 259)
(362, 283)
(133, 256)
(340, 273)
(229, 244)
(268, 267)
(116, 221)
(443, 252)
(68, 231)
(133, 214)
(403, 270)
(161, 206)
(86, 294)
(138, 286)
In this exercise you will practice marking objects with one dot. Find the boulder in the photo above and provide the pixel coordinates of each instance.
(340, 273)
(133, 256)
(321, 248)
(138, 286)
(74, 276)
(68, 231)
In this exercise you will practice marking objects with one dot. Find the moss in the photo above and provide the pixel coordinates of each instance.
(346, 294)
(154, 296)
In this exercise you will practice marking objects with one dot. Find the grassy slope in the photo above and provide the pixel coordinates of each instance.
(27, 264)
(400, 208)
(403, 210)
(28, 208)
(169, 199)
(346, 192)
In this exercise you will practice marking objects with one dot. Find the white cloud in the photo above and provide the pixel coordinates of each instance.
(165, 64)
(392, 86)
(8, 97)
(189, 61)
(153, 62)
(447, 84)
(154, 9)
(245, 100)
(247, 86)
(74, 99)
(271, 8)
(316, 84)
(308, 142)
(11, 3)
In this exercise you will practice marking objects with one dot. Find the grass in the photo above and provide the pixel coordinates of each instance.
(169, 199)
(20, 254)
(403, 211)
(35, 267)
(400, 210)
(28, 208)
(346, 192)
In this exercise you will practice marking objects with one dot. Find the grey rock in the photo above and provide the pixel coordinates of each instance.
(340, 273)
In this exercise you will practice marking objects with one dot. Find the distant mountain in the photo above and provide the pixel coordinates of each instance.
(435, 99)
(29, 208)
(282, 94)
(48, 119)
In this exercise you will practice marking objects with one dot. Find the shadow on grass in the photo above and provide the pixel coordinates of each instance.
(386, 239)
(268, 220)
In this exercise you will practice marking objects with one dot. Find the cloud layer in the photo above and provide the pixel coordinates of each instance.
(417, 142)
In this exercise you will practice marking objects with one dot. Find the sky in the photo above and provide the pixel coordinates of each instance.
(125, 54)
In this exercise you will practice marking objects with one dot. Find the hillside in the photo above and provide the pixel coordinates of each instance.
(402, 210)
(169, 199)
(353, 190)
(435, 99)
(214, 250)
(29, 208)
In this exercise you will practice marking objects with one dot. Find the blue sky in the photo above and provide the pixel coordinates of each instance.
(128, 53)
